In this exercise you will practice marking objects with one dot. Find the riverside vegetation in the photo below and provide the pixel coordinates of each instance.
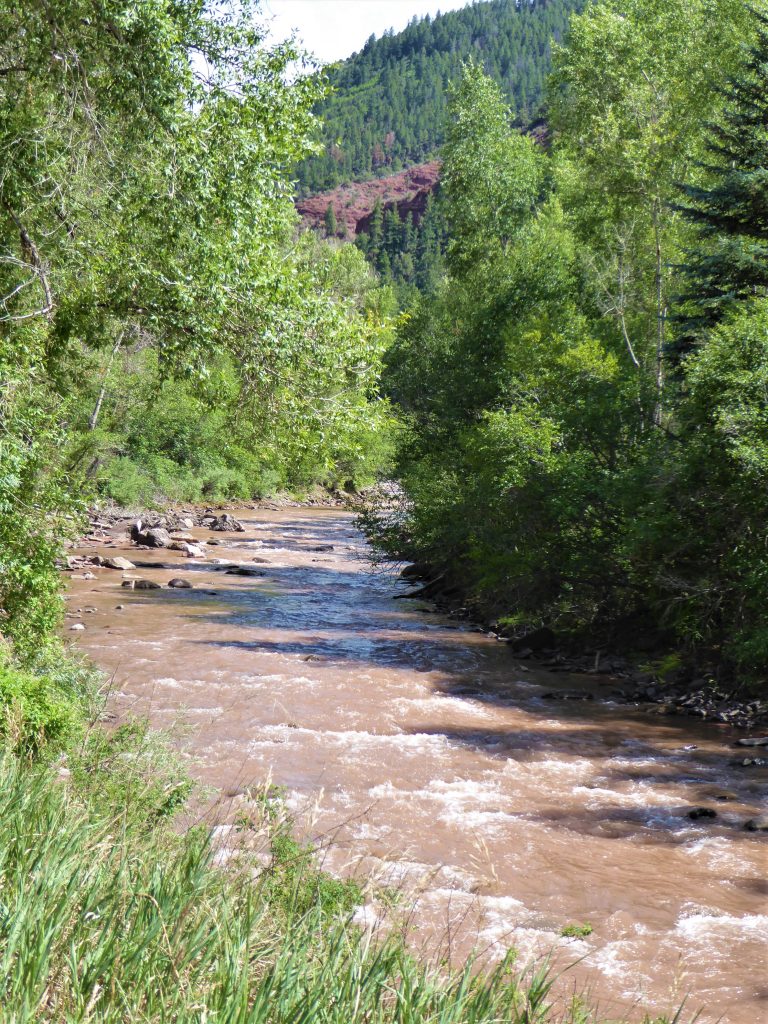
(577, 411)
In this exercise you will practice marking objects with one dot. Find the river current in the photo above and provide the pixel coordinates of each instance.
(420, 751)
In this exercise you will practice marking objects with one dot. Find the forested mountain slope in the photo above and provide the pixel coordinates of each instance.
(389, 102)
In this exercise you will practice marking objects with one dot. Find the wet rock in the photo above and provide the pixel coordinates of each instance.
(153, 537)
(701, 812)
(321, 547)
(119, 607)
(214, 542)
(261, 561)
(759, 824)
(97, 560)
(78, 626)
(243, 571)
(225, 524)
(753, 741)
(179, 584)
(417, 571)
(140, 585)
(118, 563)
(158, 537)
(751, 762)
(187, 549)
(186, 524)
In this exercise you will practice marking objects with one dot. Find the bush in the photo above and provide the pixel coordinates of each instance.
(39, 713)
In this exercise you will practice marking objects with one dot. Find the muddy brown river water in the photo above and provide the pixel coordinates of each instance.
(421, 751)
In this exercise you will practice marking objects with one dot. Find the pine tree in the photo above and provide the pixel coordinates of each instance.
(732, 213)
(331, 226)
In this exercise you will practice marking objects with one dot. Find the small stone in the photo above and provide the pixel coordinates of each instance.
(78, 626)
(145, 585)
(702, 812)
(759, 824)
(179, 584)
(119, 607)
(753, 741)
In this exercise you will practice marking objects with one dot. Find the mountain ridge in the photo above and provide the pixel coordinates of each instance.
(389, 102)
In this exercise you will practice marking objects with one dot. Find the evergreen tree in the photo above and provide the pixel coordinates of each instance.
(731, 214)
(331, 227)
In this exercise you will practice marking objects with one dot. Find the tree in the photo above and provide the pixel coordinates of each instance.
(730, 213)
(331, 227)
(630, 91)
(492, 175)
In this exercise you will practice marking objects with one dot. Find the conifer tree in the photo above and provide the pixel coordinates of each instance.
(331, 227)
(732, 212)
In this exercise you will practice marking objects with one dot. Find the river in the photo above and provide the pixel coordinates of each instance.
(415, 748)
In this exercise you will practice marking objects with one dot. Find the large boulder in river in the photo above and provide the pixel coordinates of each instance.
(759, 824)
(118, 562)
(153, 537)
(224, 523)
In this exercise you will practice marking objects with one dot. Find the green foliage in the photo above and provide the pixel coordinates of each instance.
(162, 336)
(555, 469)
(40, 712)
(730, 211)
(577, 931)
(388, 104)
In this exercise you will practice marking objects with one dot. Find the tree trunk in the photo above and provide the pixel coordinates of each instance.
(103, 389)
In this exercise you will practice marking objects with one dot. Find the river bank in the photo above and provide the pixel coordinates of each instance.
(416, 750)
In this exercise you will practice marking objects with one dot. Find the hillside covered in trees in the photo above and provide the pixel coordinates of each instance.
(388, 104)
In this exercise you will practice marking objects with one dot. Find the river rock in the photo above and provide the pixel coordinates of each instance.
(154, 537)
(193, 551)
(186, 524)
(226, 524)
(179, 584)
(759, 824)
(118, 563)
(141, 585)
(78, 626)
(701, 812)
(158, 537)
(753, 741)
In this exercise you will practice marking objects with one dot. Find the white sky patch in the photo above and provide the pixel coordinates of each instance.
(333, 29)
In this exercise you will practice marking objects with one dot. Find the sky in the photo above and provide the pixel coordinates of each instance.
(333, 29)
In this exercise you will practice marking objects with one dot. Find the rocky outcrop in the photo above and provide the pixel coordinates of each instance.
(353, 203)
